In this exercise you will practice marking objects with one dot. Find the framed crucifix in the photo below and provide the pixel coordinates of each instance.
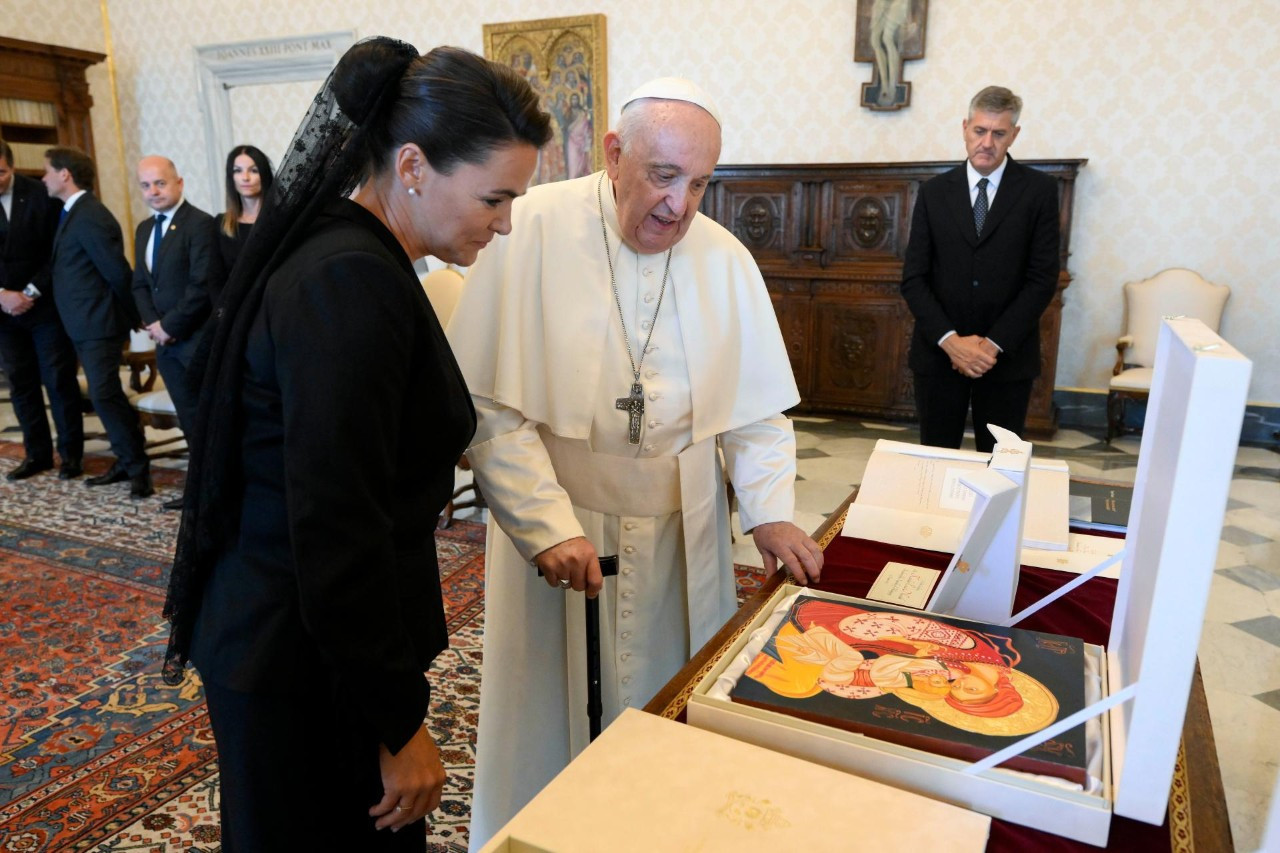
(888, 32)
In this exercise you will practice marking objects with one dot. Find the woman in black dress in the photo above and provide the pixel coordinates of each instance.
(305, 587)
(248, 178)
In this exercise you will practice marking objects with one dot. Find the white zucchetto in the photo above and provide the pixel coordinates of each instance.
(674, 89)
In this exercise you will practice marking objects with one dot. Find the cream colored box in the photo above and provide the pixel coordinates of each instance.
(1184, 472)
(650, 784)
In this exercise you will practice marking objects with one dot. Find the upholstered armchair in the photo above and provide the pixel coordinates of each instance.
(1171, 293)
(443, 288)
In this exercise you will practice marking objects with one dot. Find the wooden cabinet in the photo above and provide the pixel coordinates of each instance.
(44, 100)
(830, 240)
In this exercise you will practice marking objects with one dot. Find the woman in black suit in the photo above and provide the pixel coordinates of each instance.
(248, 178)
(305, 586)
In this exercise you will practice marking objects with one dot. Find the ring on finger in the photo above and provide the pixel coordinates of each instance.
(564, 583)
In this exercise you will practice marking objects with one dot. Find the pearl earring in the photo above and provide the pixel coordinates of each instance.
(412, 191)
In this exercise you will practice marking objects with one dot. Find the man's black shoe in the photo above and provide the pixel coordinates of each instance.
(140, 485)
(117, 474)
(71, 468)
(29, 468)
(176, 503)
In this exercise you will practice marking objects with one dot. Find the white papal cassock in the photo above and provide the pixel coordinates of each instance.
(537, 335)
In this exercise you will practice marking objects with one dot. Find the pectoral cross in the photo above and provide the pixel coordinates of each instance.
(634, 405)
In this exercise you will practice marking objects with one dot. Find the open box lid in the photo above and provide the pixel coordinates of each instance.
(1185, 464)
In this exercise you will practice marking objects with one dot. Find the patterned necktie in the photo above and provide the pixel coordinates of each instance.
(158, 234)
(980, 206)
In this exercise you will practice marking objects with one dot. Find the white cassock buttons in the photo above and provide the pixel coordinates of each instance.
(630, 549)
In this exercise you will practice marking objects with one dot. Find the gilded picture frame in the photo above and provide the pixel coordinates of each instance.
(564, 60)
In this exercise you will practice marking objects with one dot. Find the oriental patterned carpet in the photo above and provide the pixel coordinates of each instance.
(96, 752)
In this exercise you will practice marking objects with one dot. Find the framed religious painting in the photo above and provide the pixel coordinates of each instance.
(564, 60)
(887, 33)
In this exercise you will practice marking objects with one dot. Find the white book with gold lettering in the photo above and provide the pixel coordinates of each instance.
(650, 784)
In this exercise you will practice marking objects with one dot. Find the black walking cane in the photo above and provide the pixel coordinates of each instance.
(595, 705)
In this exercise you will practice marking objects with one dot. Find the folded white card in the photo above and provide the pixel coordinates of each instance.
(906, 585)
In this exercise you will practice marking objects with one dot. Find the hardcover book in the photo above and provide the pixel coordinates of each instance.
(956, 688)
(1100, 506)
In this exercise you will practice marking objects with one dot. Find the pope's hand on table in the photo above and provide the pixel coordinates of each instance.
(782, 541)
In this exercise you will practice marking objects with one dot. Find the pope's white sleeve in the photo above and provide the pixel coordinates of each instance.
(515, 475)
(761, 461)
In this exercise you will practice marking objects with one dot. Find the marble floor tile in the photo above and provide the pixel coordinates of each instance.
(1068, 438)
(1272, 597)
(1266, 627)
(854, 446)
(1233, 602)
(1261, 494)
(834, 469)
(1230, 555)
(1255, 521)
(1261, 457)
(806, 439)
(1238, 662)
(1244, 538)
(1252, 576)
(1249, 758)
(820, 497)
(887, 427)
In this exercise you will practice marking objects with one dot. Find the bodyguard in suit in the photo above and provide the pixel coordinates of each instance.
(34, 348)
(981, 267)
(170, 278)
(91, 285)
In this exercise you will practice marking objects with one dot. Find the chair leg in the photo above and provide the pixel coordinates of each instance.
(1115, 415)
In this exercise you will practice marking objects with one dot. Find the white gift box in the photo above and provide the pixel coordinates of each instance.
(1184, 472)
(650, 784)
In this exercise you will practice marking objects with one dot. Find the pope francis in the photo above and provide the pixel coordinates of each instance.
(613, 344)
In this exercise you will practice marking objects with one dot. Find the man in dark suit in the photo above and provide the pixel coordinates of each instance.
(981, 267)
(170, 264)
(34, 348)
(91, 281)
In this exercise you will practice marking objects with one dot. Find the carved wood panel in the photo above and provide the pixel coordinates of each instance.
(793, 319)
(866, 220)
(764, 216)
(854, 341)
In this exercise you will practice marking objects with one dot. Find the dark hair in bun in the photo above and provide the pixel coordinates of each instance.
(366, 73)
(456, 106)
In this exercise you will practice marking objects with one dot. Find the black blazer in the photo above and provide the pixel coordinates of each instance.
(24, 255)
(354, 414)
(997, 285)
(176, 292)
(90, 274)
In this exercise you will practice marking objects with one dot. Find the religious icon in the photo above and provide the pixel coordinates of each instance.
(887, 33)
(957, 688)
(563, 59)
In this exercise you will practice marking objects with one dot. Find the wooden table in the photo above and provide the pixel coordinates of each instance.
(1197, 818)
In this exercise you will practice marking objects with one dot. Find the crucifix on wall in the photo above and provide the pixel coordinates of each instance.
(887, 33)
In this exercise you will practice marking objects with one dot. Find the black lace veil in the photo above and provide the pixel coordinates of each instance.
(325, 161)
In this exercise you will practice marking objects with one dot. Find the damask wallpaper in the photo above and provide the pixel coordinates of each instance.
(1168, 99)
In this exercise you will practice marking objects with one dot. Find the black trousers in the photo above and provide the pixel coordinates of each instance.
(101, 362)
(943, 401)
(297, 773)
(35, 354)
(173, 360)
